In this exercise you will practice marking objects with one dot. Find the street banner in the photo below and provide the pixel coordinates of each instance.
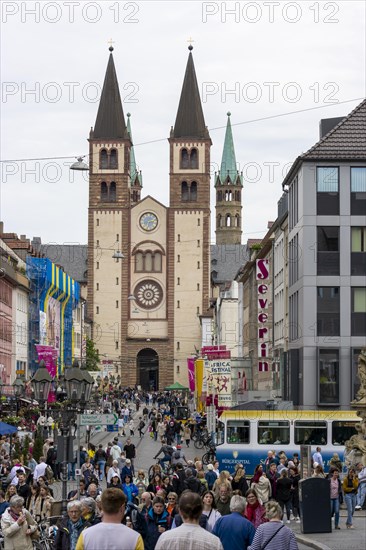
(219, 381)
(48, 354)
(191, 380)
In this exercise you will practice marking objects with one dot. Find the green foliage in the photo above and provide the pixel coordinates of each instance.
(26, 442)
(13, 420)
(17, 448)
(38, 448)
(92, 356)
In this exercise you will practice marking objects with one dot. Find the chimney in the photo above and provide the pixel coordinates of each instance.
(327, 124)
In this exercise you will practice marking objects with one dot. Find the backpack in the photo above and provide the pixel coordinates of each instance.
(142, 424)
(176, 455)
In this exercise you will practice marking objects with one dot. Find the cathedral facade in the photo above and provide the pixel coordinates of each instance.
(148, 307)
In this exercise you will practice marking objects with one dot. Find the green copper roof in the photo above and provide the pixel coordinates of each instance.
(134, 172)
(228, 162)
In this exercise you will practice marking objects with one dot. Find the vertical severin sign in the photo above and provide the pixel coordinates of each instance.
(262, 276)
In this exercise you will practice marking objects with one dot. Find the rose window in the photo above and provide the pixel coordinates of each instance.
(149, 294)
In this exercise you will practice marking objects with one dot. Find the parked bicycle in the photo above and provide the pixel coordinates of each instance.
(210, 456)
(47, 533)
(204, 441)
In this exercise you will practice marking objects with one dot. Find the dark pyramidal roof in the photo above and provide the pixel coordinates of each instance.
(346, 141)
(190, 122)
(110, 122)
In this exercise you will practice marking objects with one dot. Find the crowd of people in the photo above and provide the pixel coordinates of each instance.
(176, 499)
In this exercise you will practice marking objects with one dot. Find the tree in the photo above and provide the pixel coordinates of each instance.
(92, 356)
(38, 448)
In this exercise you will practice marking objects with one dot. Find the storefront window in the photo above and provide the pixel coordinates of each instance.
(328, 377)
(275, 433)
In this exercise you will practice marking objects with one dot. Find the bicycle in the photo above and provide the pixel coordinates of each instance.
(166, 470)
(47, 533)
(210, 456)
(203, 442)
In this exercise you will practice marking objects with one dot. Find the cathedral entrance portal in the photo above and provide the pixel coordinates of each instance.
(148, 369)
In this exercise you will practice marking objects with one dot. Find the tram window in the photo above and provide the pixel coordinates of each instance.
(275, 433)
(342, 431)
(238, 431)
(310, 433)
(220, 433)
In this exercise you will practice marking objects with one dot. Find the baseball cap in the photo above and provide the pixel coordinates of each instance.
(179, 446)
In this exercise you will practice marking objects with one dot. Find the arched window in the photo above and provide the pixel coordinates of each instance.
(148, 261)
(103, 159)
(113, 159)
(228, 196)
(184, 159)
(103, 191)
(219, 220)
(194, 158)
(237, 196)
(185, 194)
(219, 196)
(237, 220)
(193, 191)
(228, 220)
(112, 192)
(139, 261)
(157, 261)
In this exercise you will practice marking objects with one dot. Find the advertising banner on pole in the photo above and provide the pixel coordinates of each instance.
(49, 355)
(219, 381)
(191, 380)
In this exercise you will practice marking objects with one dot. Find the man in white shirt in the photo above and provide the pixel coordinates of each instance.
(189, 536)
(111, 533)
(115, 450)
(40, 469)
(317, 457)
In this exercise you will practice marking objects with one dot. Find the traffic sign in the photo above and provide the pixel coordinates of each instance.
(98, 419)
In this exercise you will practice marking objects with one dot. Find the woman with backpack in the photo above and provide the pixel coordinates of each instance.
(100, 458)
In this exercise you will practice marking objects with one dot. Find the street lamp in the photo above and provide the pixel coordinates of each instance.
(41, 383)
(18, 387)
(78, 388)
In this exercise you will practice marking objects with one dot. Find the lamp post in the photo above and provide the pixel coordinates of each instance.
(18, 386)
(78, 385)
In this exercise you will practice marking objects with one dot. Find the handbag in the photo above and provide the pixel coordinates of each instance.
(272, 537)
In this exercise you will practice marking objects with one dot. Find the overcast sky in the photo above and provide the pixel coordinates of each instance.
(258, 60)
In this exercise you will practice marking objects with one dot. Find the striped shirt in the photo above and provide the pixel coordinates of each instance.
(188, 536)
(284, 539)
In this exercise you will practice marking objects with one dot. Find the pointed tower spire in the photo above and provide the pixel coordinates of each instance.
(135, 174)
(228, 185)
(190, 122)
(228, 168)
(110, 122)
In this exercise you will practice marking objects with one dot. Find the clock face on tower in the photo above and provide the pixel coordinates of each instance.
(148, 221)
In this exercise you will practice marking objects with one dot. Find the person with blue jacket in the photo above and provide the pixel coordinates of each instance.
(129, 489)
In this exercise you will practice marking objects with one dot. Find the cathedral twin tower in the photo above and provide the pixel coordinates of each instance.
(150, 309)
